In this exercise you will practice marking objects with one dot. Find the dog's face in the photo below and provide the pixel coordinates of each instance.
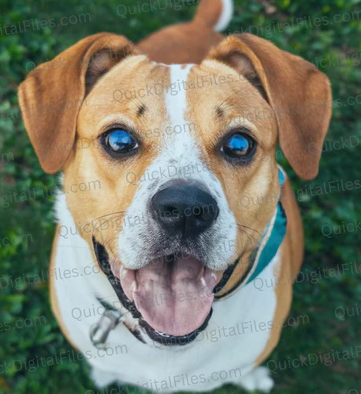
(173, 170)
(177, 150)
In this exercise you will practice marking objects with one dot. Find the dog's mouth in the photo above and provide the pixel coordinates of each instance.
(172, 296)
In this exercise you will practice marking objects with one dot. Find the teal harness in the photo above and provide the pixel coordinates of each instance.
(269, 244)
(278, 232)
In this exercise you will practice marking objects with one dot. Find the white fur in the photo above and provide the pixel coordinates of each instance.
(142, 364)
(258, 379)
(226, 16)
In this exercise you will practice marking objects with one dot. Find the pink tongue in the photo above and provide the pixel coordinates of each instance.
(173, 298)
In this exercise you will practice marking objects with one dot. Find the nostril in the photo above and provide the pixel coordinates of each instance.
(169, 208)
(169, 212)
(207, 213)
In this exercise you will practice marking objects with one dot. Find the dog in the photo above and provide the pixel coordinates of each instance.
(154, 271)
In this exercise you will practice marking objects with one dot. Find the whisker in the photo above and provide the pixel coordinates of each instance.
(249, 228)
(109, 214)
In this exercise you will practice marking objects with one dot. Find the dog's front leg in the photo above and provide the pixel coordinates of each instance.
(257, 379)
(103, 378)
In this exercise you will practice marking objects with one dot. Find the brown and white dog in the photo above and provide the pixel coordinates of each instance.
(157, 266)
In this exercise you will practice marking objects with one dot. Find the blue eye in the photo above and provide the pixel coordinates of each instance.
(119, 141)
(238, 146)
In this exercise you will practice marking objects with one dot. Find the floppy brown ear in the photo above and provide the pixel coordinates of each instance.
(52, 94)
(299, 94)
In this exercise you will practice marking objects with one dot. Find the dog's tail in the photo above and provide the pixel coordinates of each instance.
(216, 14)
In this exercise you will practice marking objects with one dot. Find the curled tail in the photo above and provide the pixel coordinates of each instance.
(215, 14)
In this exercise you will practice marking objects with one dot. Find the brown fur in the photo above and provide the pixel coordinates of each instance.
(186, 42)
(291, 257)
(299, 94)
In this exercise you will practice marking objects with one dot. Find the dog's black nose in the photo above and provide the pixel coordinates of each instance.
(183, 208)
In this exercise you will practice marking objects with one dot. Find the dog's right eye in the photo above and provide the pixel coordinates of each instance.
(119, 142)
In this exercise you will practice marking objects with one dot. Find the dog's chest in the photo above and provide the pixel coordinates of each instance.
(224, 352)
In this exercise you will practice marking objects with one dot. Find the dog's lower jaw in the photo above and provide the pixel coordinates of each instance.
(137, 309)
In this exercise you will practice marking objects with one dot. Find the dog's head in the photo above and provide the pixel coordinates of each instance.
(177, 150)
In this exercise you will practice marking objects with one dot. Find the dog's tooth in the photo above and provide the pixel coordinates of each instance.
(133, 286)
(214, 276)
(203, 281)
(201, 273)
(122, 272)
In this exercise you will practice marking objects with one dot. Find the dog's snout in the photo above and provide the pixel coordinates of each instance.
(184, 209)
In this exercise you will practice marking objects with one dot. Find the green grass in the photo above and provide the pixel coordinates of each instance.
(30, 223)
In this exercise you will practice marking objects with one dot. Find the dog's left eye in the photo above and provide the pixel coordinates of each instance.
(119, 141)
(238, 146)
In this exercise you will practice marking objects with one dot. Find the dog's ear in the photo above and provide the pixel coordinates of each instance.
(52, 94)
(299, 94)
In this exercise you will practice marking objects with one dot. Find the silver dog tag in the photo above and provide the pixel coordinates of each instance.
(99, 332)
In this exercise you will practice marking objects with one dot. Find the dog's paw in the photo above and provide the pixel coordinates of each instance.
(102, 378)
(258, 379)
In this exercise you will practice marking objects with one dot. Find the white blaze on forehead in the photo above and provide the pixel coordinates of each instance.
(177, 100)
(179, 149)
(179, 157)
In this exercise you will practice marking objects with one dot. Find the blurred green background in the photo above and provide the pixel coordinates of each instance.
(334, 46)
